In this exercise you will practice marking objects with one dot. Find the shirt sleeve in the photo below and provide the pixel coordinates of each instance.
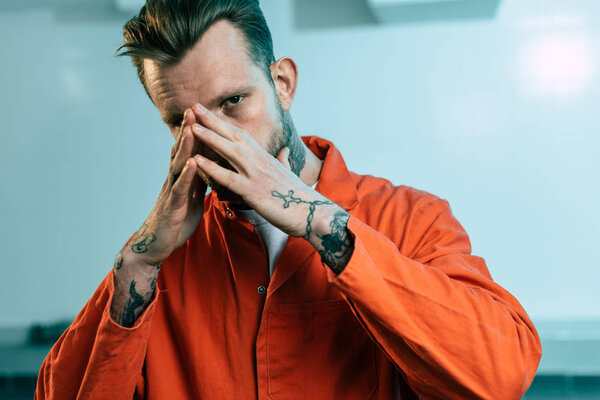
(450, 330)
(96, 358)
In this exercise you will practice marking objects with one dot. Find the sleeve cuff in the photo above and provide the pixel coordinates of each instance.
(360, 268)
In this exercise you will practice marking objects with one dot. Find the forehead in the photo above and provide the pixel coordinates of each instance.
(217, 63)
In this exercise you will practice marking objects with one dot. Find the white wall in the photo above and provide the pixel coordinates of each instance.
(499, 116)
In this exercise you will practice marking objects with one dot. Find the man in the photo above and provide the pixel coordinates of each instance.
(294, 278)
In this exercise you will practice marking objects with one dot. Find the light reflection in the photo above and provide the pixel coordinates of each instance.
(557, 63)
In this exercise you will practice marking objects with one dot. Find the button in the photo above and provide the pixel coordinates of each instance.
(261, 290)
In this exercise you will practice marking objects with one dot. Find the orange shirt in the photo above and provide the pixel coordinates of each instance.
(413, 313)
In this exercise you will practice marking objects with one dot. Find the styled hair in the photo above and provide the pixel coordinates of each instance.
(165, 30)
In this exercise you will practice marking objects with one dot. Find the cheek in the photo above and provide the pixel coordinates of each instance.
(257, 119)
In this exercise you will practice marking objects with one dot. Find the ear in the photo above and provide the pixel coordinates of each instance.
(285, 75)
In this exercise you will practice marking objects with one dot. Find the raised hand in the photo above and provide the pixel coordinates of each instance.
(264, 182)
(180, 204)
(268, 185)
(171, 222)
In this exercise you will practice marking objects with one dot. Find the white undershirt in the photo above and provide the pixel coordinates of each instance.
(272, 237)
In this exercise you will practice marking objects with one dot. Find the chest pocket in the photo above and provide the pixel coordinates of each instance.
(319, 351)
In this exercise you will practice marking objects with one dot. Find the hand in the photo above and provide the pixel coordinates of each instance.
(264, 182)
(180, 203)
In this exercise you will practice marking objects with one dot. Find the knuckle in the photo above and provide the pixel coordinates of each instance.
(236, 179)
(179, 189)
(238, 150)
(229, 181)
(237, 136)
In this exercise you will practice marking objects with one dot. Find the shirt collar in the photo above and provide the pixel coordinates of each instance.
(335, 181)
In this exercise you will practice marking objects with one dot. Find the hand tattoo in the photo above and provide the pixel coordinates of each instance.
(128, 315)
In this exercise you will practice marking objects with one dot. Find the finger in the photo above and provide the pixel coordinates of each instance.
(179, 192)
(197, 191)
(187, 120)
(178, 138)
(284, 157)
(198, 186)
(188, 117)
(232, 152)
(199, 183)
(216, 124)
(223, 176)
(184, 152)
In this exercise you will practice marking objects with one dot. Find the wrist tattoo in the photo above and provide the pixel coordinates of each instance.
(142, 240)
(337, 244)
(135, 301)
(289, 198)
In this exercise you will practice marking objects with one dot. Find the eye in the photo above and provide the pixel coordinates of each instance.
(233, 101)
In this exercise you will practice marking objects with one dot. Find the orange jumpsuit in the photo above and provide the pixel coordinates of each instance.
(412, 314)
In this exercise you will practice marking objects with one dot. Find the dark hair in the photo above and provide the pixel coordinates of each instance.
(165, 30)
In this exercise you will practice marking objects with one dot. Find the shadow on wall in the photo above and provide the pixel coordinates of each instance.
(326, 14)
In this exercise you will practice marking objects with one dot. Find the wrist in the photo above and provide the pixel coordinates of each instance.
(321, 221)
(134, 287)
(332, 239)
(129, 266)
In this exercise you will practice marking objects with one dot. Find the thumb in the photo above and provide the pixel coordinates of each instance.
(283, 157)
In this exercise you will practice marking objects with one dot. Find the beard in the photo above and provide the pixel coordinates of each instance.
(284, 135)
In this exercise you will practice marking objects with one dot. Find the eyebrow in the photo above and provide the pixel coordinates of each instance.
(174, 119)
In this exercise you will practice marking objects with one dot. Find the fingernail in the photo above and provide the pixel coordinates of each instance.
(200, 108)
(198, 128)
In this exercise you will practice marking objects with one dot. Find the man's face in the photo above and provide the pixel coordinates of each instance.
(219, 74)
